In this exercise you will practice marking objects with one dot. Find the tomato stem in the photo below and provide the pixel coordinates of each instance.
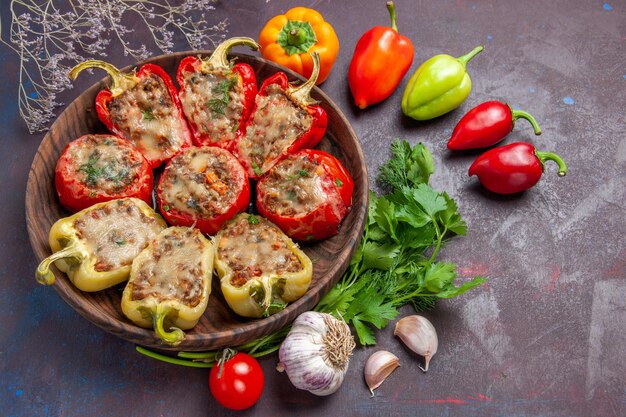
(549, 156)
(516, 114)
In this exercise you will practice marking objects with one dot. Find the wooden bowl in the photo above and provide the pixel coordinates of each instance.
(219, 326)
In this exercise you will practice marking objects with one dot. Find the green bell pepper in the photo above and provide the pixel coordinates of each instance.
(441, 84)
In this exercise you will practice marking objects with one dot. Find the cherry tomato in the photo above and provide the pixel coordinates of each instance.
(237, 382)
(97, 168)
(307, 195)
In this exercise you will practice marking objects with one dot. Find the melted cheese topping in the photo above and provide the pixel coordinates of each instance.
(149, 118)
(252, 250)
(294, 187)
(116, 233)
(173, 270)
(105, 164)
(275, 125)
(199, 181)
(213, 103)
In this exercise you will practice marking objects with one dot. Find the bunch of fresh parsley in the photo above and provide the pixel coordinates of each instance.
(396, 262)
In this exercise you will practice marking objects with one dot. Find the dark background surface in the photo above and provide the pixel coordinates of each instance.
(545, 337)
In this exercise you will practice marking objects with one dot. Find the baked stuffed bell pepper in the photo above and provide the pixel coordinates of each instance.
(143, 108)
(216, 95)
(307, 195)
(96, 246)
(259, 267)
(285, 119)
(170, 283)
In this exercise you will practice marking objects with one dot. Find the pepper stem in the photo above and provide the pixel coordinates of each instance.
(516, 114)
(392, 13)
(43, 275)
(301, 94)
(173, 337)
(219, 58)
(120, 81)
(471, 54)
(296, 37)
(549, 156)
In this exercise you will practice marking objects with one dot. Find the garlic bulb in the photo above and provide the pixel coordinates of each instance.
(315, 353)
(419, 335)
(378, 367)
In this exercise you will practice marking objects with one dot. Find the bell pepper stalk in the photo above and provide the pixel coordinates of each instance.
(513, 168)
(191, 68)
(136, 133)
(77, 256)
(324, 220)
(169, 314)
(290, 38)
(381, 59)
(487, 124)
(300, 96)
(268, 293)
(238, 180)
(438, 86)
(78, 180)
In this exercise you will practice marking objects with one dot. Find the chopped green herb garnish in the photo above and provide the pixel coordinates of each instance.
(256, 168)
(291, 195)
(303, 173)
(166, 208)
(148, 114)
(222, 92)
(252, 219)
(338, 182)
(120, 242)
(92, 194)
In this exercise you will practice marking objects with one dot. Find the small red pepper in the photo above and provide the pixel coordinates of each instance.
(194, 70)
(513, 168)
(257, 164)
(135, 123)
(381, 59)
(487, 124)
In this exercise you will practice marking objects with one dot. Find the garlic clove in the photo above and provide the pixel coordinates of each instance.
(419, 335)
(378, 367)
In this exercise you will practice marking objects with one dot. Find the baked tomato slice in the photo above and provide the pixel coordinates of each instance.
(97, 168)
(203, 186)
(307, 195)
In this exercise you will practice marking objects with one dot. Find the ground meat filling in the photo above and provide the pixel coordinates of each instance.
(252, 247)
(174, 269)
(294, 187)
(105, 164)
(275, 125)
(200, 181)
(149, 118)
(213, 103)
(116, 233)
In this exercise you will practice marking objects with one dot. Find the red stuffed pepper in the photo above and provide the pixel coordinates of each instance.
(216, 96)
(97, 168)
(307, 195)
(143, 108)
(285, 119)
(204, 186)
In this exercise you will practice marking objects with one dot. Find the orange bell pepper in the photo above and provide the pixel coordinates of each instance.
(290, 38)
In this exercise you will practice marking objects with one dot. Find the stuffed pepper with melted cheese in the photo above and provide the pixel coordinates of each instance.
(170, 283)
(259, 267)
(96, 246)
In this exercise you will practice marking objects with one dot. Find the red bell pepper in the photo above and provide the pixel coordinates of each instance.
(216, 96)
(143, 108)
(381, 59)
(266, 141)
(307, 195)
(513, 168)
(204, 187)
(97, 168)
(487, 124)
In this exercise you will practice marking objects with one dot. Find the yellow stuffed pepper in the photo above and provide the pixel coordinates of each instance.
(96, 246)
(170, 283)
(260, 268)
